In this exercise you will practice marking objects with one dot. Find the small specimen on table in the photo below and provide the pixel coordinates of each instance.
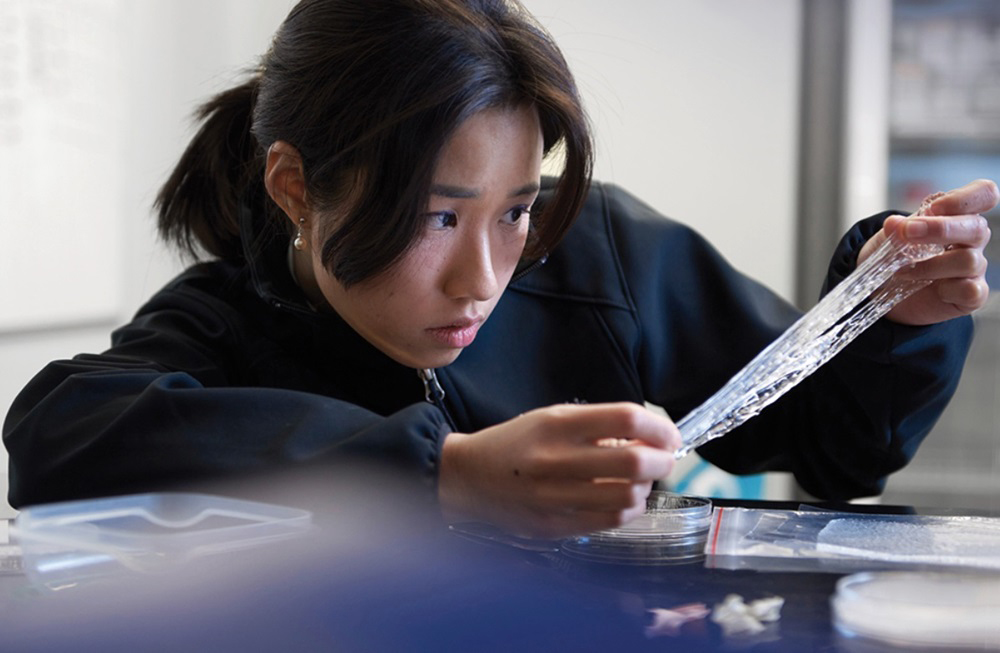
(737, 618)
(669, 622)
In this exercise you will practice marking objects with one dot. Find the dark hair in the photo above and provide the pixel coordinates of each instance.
(369, 91)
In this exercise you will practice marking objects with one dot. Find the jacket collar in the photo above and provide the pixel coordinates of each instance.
(324, 334)
(265, 248)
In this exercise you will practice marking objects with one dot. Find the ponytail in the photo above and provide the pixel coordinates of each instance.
(198, 206)
(369, 92)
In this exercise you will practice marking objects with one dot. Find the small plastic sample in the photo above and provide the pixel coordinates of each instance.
(943, 610)
(64, 543)
(738, 618)
(669, 621)
(673, 529)
(852, 306)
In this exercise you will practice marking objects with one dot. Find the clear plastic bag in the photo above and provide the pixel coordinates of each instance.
(844, 541)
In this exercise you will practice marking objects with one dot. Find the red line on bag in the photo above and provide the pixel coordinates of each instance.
(715, 535)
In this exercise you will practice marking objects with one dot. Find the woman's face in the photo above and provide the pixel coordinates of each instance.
(429, 306)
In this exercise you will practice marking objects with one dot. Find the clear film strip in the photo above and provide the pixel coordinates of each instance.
(852, 306)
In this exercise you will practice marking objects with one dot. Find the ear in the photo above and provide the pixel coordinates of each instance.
(284, 178)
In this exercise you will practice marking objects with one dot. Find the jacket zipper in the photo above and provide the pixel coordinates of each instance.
(434, 393)
(531, 268)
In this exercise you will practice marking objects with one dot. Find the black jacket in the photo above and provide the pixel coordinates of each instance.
(227, 371)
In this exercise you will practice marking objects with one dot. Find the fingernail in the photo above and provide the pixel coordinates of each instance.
(915, 228)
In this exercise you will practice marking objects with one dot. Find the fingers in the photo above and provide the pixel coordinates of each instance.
(943, 300)
(961, 230)
(976, 197)
(605, 495)
(642, 442)
(618, 421)
(965, 295)
(549, 470)
(589, 506)
(956, 263)
(557, 525)
(949, 219)
(589, 521)
(633, 462)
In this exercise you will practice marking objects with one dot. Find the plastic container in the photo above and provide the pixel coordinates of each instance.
(673, 529)
(79, 540)
(925, 610)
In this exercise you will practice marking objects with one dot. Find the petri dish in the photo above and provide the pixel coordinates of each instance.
(934, 610)
(673, 530)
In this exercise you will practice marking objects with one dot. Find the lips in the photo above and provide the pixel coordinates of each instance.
(458, 334)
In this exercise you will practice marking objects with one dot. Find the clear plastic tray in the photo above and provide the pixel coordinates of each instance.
(73, 541)
(930, 610)
(673, 529)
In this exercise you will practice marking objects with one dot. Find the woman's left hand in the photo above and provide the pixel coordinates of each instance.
(958, 275)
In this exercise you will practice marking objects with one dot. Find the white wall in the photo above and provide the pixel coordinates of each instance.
(693, 103)
(170, 55)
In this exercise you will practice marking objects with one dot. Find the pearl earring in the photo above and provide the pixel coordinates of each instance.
(300, 242)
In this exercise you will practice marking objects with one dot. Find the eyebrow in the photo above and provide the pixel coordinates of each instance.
(461, 193)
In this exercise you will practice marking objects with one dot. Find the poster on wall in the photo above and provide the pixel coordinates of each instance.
(61, 110)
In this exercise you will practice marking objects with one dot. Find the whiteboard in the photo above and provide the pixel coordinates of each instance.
(61, 111)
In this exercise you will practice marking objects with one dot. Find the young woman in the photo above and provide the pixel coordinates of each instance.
(391, 279)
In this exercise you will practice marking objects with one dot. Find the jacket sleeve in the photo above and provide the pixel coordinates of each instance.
(157, 411)
(843, 429)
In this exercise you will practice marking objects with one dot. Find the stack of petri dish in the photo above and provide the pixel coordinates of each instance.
(673, 530)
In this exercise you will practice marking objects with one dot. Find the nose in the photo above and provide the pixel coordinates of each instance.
(470, 273)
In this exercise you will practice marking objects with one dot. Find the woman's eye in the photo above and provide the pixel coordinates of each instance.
(518, 212)
(442, 219)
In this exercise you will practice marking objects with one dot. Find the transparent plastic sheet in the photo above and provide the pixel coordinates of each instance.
(76, 541)
(852, 306)
(10, 554)
(789, 540)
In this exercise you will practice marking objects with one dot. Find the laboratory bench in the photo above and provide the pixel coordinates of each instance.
(383, 574)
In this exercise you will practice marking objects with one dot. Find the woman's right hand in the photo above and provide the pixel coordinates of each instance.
(560, 470)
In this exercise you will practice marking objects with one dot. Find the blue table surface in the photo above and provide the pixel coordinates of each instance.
(376, 577)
